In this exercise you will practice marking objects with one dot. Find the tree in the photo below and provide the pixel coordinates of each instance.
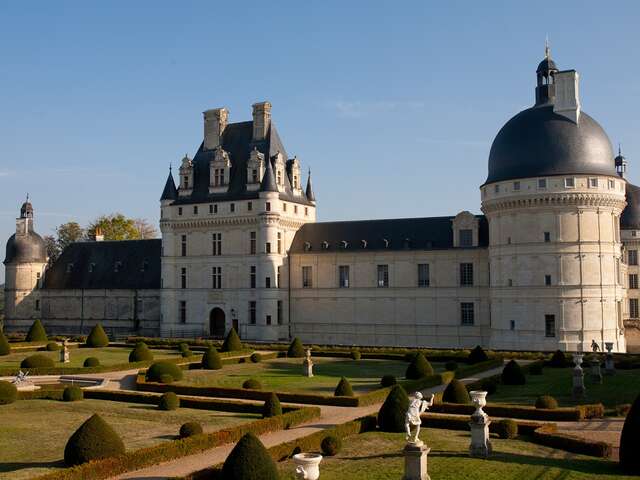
(114, 227)
(68, 233)
(145, 229)
(53, 250)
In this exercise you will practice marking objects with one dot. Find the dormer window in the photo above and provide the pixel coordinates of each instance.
(307, 246)
(325, 245)
(117, 266)
(363, 243)
(255, 169)
(185, 181)
(254, 175)
(186, 176)
(219, 168)
(407, 243)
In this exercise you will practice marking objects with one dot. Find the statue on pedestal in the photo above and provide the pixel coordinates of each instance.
(609, 366)
(308, 364)
(417, 406)
(64, 352)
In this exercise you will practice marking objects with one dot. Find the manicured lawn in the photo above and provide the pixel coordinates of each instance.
(285, 374)
(34, 432)
(623, 387)
(378, 456)
(107, 356)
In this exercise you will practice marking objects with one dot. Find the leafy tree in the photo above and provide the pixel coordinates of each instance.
(114, 227)
(53, 250)
(68, 233)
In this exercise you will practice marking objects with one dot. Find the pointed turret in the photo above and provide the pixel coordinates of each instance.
(309, 191)
(621, 163)
(268, 180)
(169, 192)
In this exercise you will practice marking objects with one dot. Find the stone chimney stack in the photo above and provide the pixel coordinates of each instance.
(261, 120)
(99, 236)
(567, 101)
(215, 121)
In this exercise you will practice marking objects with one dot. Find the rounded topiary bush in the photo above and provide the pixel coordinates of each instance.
(409, 356)
(535, 369)
(183, 347)
(489, 385)
(477, 355)
(232, 342)
(190, 429)
(391, 416)
(296, 349)
(356, 355)
(95, 439)
(38, 360)
(186, 353)
(512, 374)
(249, 460)
(252, 384)
(331, 445)
(72, 393)
(169, 401)
(5, 347)
(158, 369)
(629, 458)
(166, 378)
(211, 359)
(271, 407)
(91, 362)
(52, 347)
(546, 401)
(36, 333)
(456, 392)
(451, 366)
(419, 368)
(558, 359)
(8, 392)
(388, 381)
(343, 389)
(505, 428)
(256, 358)
(97, 338)
(140, 353)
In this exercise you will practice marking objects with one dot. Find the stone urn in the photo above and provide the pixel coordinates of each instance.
(577, 359)
(608, 346)
(479, 399)
(307, 466)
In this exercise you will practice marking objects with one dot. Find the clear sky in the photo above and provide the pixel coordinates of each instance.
(392, 104)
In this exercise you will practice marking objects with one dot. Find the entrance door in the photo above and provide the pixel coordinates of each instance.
(217, 325)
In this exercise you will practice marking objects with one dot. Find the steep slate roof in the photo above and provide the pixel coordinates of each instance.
(630, 218)
(170, 192)
(434, 233)
(268, 183)
(139, 266)
(237, 142)
(309, 191)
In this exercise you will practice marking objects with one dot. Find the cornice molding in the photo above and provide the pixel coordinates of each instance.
(564, 199)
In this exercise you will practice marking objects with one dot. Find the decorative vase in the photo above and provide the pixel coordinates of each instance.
(577, 359)
(307, 465)
(608, 346)
(479, 399)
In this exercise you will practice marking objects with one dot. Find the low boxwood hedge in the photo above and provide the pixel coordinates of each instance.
(561, 414)
(156, 372)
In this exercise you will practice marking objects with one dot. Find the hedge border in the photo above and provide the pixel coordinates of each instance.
(562, 414)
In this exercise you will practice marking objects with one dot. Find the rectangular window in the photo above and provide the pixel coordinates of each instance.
(183, 244)
(542, 183)
(306, 277)
(268, 320)
(279, 242)
(267, 282)
(252, 312)
(423, 274)
(253, 276)
(183, 311)
(249, 206)
(383, 276)
(593, 182)
(496, 188)
(254, 176)
(267, 247)
(252, 243)
(195, 209)
(215, 208)
(210, 208)
(547, 280)
(186, 182)
(512, 324)
(183, 277)
(306, 211)
(284, 207)
(216, 244)
(465, 237)
(633, 308)
(295, 209)
(216, 277)
(37, 305)
(466, 274)
(570, 182)
(549, 325)
(516, 186)
(343, 276)
(612, 184)
(267, 206)
(278, 276)
(466, 313)
(633, 281)
(632, 256)
(232, 207)
(547, 237)
(280, 318)
(179, 211)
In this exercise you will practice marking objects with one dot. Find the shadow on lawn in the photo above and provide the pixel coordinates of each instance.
(13, 466)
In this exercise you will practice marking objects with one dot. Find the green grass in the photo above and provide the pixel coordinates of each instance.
(614, 390)
(34, 432)
(378, 456)
(285, 374)
(107, 356)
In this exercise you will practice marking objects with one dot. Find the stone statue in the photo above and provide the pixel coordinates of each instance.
(417, 406)
(594, 346)
(308, 364)
(64, 353)
(21, 378)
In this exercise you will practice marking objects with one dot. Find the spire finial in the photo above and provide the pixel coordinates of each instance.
(170, 167)
(547, 48)
(619, 149)
(27, 197)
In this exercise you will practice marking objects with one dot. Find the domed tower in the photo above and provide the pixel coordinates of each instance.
(25, 262)
(553, 200)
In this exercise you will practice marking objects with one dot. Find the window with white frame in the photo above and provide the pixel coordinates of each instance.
(216, 277)
(633, 308)
(516, 186)
(216, 244)
(252, 243)
(569, 182)
(633, 281)
(466, 313)
(632, 257)
(383, 276)
(465, 237)
(593, 182)
(542, 183)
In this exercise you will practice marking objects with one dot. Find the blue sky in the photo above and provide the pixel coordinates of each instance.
(392, 104)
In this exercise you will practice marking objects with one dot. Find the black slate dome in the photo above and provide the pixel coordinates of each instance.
(29, 248)
(630, 218)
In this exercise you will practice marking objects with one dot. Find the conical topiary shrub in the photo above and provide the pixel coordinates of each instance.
(512, 374)
(271, 407)
(477, 355)
(95, 439)
(456, 392)
(629, 458)
(391, 416)
(8, 392)
(249, 460)
(97, 338)
(343, 389)
(211, 359)
(232, 341)
(5, 348)
(36, 333)
(558, 359)
(296, 349)
(418, 368)
(140, 353)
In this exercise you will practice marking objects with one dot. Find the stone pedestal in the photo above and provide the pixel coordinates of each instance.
(64, 354)
(596, 373)
(415, 461)
(307, 367)
(578, 378)
(480, 443)
(609, 366)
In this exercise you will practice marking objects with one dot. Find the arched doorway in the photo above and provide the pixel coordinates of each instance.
(217, 325)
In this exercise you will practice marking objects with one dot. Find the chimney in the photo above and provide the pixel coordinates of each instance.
(261, 120)
(567, 101)
(99, 237)
(215, 121)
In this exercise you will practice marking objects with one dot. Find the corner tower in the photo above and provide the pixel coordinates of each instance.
(553, 200)
(25, 262)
